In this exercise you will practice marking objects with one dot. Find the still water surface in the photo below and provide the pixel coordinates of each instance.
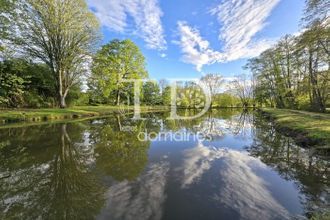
(98, 169)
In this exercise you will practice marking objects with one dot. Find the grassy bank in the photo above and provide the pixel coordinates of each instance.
(37, 115)
(306, 127)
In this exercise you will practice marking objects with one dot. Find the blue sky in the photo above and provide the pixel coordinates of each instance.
(188, 38)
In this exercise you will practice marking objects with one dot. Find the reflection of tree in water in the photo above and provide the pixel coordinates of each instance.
(119, 152)
(307, 169)
(49, 174)
(240, 125)
(215, 123)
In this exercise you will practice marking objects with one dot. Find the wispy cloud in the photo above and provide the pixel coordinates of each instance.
(240, 21)
(146, 16)
(195, 49)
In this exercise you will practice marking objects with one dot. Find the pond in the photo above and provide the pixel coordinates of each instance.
(227, 164)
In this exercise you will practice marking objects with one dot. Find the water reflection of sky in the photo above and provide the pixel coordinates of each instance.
(101, 164)
(140, 199)
(220, 173)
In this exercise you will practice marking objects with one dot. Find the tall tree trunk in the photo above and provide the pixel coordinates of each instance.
(118, 97)
(317, 101)
(60, 90)
(62, 102)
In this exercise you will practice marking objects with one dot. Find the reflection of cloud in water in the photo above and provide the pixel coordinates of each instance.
(140, 199)
(240, 189)
(196, 161)
(239, 126)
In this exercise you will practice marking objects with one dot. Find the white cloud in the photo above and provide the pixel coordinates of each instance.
(241, 20)
(195, 49)
(163, 55)
(146, 14)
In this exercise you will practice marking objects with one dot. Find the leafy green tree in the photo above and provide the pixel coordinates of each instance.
(166, 96)
(151, 93)
(12, 82)
(26, 84)
(295, 73)
(113, 63)
(190, 96)
(226, 100)
(12, 89)
(62, 34)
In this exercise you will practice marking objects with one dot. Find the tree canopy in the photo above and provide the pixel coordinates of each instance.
(113, 63)
(62, 34)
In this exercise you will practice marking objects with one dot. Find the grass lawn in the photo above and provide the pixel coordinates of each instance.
(314, 126)
(35, 115)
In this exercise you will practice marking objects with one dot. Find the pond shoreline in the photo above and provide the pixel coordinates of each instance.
(10, 116)
(306, 128)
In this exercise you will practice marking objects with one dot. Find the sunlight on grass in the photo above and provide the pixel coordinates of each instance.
(313, 125)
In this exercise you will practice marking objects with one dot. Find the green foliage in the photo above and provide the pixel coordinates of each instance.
(166, 96)
(226, 100)
(12, 83)
(12, 90)
(151, 93)
(190, 96)
(25, 84)
(62, 34)
(321, 216)
(113, 63)
(294, 70)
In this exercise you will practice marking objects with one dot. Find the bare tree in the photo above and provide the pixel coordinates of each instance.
(242, 87)
(213, 82)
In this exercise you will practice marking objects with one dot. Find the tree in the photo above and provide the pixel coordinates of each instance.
(151, 93)
(115, 62)
(61, 33)
(293, 71)
(166, 96)
(11, 84)
(316, 69)
(163, 83)
(226, 100)
(242, 87)
(213, 82)
(7, 14)
(316, 10)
